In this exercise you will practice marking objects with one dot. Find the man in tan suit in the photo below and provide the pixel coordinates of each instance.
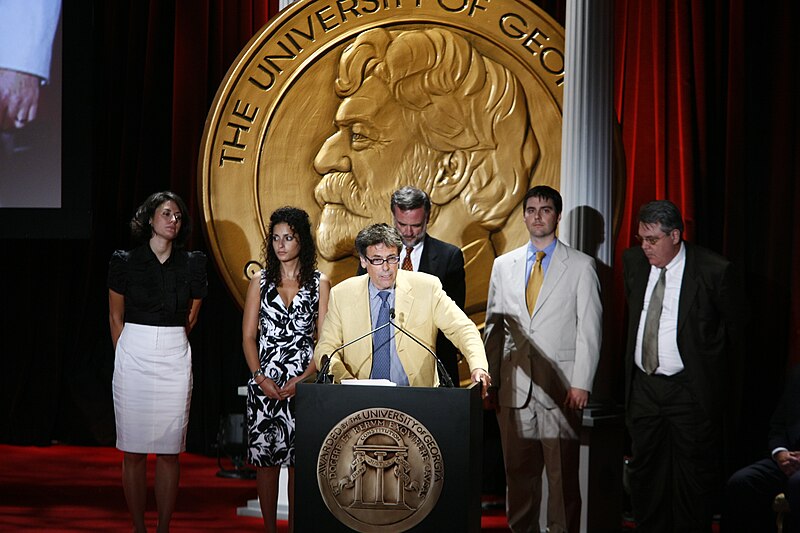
(419, 305)
(542, 337)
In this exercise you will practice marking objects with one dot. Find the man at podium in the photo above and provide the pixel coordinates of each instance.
(400, 312)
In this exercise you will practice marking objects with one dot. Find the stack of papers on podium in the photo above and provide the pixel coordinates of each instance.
(375, 382)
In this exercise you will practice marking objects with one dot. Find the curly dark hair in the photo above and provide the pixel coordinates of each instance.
(298, 220)
(142, 231)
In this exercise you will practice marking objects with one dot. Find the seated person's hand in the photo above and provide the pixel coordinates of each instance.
(789, 462)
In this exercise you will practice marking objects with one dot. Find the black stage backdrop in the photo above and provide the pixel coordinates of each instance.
(156, 67)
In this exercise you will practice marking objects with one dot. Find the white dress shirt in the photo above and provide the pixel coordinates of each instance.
(669, 357)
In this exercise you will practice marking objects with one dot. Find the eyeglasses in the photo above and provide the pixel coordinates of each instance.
(169, 215)
(378, 261)
(652, 241)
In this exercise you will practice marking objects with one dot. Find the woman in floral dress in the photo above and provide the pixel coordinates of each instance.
(284, 309)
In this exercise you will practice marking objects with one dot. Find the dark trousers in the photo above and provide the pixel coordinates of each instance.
(676, 456)
(749, 495)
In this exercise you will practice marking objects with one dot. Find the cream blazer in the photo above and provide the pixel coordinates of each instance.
(421, 307)
(559, 346)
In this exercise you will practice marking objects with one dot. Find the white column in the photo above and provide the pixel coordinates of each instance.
(586, 178)
(587, 136)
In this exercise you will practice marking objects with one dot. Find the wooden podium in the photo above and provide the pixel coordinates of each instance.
(371, 454)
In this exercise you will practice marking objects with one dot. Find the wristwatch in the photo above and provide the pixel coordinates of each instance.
(257, 373)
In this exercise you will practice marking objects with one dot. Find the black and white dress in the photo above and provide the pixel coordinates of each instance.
(285, 348)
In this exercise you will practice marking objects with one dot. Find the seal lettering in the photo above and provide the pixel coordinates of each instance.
(385, 472)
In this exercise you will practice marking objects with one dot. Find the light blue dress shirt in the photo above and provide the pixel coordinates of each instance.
(532, 258)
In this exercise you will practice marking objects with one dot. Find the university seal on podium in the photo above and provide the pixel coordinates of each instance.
(380, 470)
(337, 103)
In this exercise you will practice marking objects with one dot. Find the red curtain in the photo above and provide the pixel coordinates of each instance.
(706, 94)
(659, 100)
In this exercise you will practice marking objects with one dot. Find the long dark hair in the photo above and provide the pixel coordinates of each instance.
(298, 220)
(141, 230)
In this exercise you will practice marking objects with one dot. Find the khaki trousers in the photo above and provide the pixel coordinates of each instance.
(534, 440)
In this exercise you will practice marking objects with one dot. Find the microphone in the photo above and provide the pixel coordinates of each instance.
(444, 377)
(322, 375)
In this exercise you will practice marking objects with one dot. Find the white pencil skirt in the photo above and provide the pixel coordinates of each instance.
(152, 389)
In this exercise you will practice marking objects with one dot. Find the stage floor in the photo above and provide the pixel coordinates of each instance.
(72, 488)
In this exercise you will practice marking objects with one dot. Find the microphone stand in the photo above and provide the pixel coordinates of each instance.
(444, 378)
(323, 376)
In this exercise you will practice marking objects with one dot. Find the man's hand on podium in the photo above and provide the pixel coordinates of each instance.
(480, 375)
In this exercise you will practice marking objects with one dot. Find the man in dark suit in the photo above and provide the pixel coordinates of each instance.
(684, 315)
(751, 490)
(411, 210)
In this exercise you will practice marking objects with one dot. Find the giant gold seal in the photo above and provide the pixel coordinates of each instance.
(335, 104)
(380, 470)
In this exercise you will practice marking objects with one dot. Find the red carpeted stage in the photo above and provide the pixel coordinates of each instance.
(72, 488)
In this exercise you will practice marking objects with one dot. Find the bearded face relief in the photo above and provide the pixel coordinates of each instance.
(421, 108)
(372, 153)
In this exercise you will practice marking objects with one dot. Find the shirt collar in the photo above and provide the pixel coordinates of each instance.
(373, 290)
(679, 257)
(548, 250)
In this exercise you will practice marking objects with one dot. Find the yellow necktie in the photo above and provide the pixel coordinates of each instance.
(534, 283)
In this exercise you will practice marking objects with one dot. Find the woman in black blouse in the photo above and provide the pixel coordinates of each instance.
(154, 296)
